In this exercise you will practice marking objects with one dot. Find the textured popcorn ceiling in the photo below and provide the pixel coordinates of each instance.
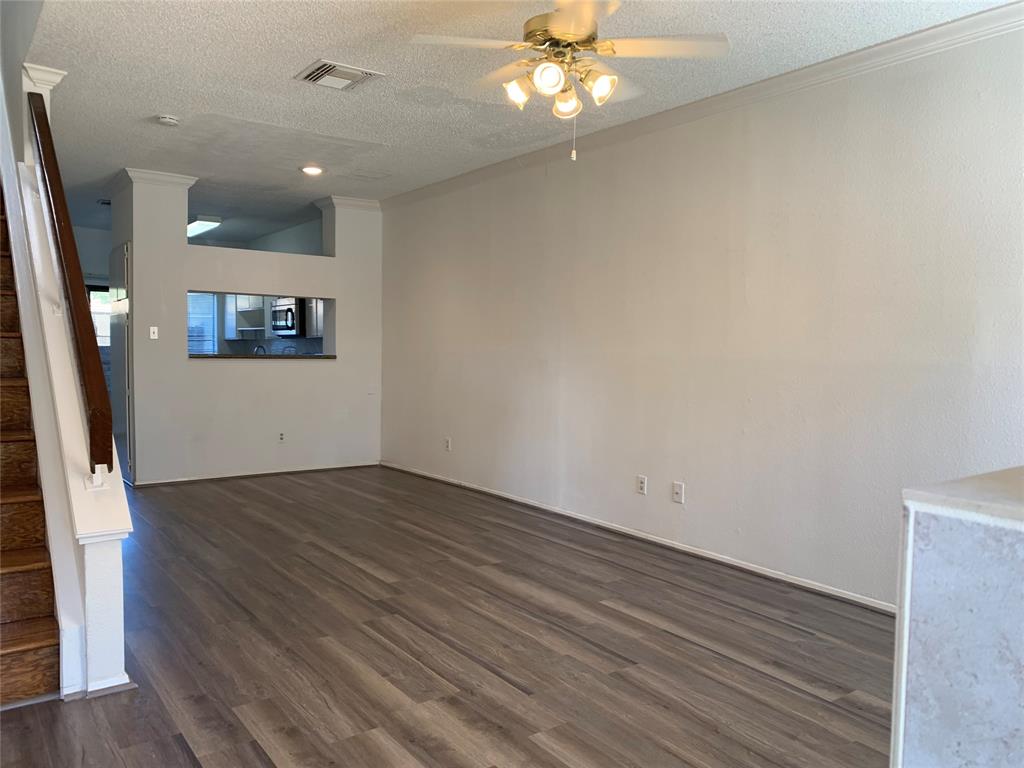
(226, 70)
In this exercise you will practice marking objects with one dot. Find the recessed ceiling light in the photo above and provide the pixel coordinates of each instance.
(202, 224)
(312, 170)
(169, 120)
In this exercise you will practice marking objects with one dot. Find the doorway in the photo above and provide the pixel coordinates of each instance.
(119, 352)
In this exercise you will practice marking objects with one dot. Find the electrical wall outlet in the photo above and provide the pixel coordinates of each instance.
(641, 484)
(448, 444)
(677, 492)
(280, 437)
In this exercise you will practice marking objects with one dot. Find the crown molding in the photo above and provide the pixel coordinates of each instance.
(43, 77)
(927, 42)
(157, 178)
(141, 176)
(356, 203)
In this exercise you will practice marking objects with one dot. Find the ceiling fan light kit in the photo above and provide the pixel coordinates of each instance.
(567, 103)
(567, 43)
(518, 90)
(600, 85)
(549, 78)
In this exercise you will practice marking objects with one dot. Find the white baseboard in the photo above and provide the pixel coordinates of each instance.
(813, 586)
(292, 471)
(72, 657)
(109, 685)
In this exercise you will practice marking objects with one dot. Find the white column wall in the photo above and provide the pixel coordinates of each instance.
(198, 418)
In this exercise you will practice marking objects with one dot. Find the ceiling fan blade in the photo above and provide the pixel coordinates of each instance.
(592, 9)
(626, 90)
(578, 18)
(505, 73)
(676, 47)
(466, 42)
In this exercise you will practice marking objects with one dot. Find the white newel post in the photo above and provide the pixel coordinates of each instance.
(42, 80)
(104, 614)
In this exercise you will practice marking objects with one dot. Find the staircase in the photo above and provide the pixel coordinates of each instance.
(29, 640)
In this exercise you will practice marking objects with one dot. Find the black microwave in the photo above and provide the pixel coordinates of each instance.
(288, 316)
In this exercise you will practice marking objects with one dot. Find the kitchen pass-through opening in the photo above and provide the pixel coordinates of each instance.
(244, 325)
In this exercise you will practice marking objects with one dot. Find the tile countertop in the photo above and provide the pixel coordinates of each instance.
(264, 357)
(996, 494)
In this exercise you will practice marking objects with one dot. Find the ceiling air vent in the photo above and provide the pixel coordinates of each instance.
(334, 75)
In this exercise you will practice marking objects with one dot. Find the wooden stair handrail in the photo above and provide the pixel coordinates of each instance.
(90, 368)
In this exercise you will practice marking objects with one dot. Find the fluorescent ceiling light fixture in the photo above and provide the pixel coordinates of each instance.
(202, 224)
(312, 170)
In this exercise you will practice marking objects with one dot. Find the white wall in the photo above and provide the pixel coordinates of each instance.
(302, 238)
(798, 306)
(17, 27)
(211, 418)
(94, 246)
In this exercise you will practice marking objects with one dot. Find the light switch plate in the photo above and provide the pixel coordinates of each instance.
(154, 332)
(677, 492)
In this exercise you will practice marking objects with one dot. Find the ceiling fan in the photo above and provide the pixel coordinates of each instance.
(568, 47)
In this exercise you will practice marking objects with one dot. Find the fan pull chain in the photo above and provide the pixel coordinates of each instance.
(572, 155)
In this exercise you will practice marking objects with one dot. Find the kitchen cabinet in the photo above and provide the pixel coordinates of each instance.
(246, 302)
(244, 316)
(314, 318)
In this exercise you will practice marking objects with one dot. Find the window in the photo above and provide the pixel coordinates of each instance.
(99, 307)
(202, 323)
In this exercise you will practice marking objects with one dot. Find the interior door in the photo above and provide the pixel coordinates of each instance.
(121, 400)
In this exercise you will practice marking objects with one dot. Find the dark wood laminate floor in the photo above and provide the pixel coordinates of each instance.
(368, 617)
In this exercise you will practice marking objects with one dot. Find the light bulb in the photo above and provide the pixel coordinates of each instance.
(518, 90)
(567, 104)
(548, 78)
(599, 85)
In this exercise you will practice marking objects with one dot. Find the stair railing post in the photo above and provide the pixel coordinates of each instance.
(104, 614)
(41, 80)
